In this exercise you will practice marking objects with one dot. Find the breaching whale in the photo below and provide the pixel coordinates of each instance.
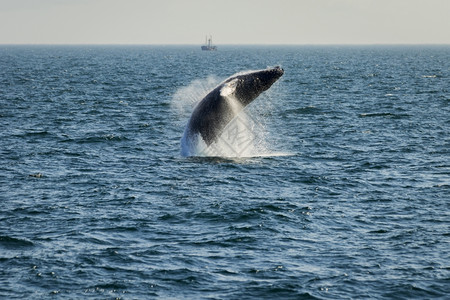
(222, 104)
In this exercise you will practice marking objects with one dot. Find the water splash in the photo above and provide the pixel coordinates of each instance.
(186, 98)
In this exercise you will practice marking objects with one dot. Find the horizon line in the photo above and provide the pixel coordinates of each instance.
(236, 44)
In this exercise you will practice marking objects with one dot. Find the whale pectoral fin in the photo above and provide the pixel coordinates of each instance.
(228, 88)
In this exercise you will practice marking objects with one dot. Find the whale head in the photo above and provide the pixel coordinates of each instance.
(250, 85)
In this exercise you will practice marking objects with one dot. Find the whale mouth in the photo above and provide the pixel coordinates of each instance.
(269, 76)
(278, 69)
(275, 72)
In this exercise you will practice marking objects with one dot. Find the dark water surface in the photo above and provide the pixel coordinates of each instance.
(97, 202)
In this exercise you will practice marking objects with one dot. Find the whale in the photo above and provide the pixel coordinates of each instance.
(218, 108)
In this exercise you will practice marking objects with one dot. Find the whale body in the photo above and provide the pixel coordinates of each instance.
(223, 103)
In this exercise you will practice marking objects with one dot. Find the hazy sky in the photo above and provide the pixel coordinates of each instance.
(229, 21)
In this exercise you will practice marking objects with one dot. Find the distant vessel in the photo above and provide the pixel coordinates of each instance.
(208, 45)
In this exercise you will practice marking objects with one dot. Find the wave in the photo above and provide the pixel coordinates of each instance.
(11, 242)
(97, 139)
(386, 115)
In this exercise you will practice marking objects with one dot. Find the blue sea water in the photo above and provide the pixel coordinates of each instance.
(352, 200)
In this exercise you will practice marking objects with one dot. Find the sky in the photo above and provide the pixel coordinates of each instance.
(311, 22)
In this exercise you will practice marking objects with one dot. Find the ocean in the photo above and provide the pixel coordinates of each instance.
(346, 194)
